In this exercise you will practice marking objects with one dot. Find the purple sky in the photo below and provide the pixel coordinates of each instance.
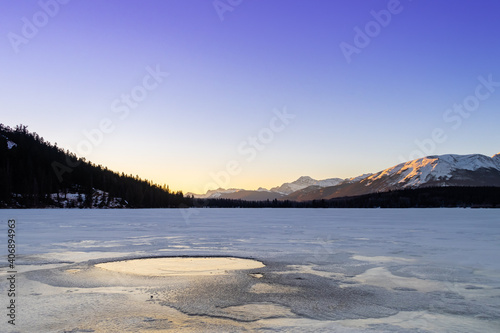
(258, 92)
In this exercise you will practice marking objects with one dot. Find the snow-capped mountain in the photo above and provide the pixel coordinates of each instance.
(444, 170)
(274, 193)
(433, 169)
(304, 182)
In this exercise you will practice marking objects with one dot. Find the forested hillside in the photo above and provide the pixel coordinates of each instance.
(36, 173)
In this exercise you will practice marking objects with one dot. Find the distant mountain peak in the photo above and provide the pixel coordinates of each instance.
(282, 190)
(304, 182)
(304, 179)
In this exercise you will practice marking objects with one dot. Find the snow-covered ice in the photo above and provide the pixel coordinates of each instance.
(340, 270)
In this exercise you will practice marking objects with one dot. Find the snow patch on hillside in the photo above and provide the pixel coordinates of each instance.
(10, 144)
(358, 178)
(100, 199)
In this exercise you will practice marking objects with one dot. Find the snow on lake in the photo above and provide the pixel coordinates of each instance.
(326, 270)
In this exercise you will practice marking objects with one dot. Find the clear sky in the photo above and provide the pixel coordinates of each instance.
(249, 93)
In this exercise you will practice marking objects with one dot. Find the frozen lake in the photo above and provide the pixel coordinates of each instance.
(326, 270)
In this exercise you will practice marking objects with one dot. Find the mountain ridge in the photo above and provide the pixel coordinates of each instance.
(433, 170)
(273, 193)
(430, 171)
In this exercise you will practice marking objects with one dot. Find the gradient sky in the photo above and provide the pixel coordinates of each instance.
(231, 67)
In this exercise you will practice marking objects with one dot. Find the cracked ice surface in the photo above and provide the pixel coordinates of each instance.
(347, 270)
